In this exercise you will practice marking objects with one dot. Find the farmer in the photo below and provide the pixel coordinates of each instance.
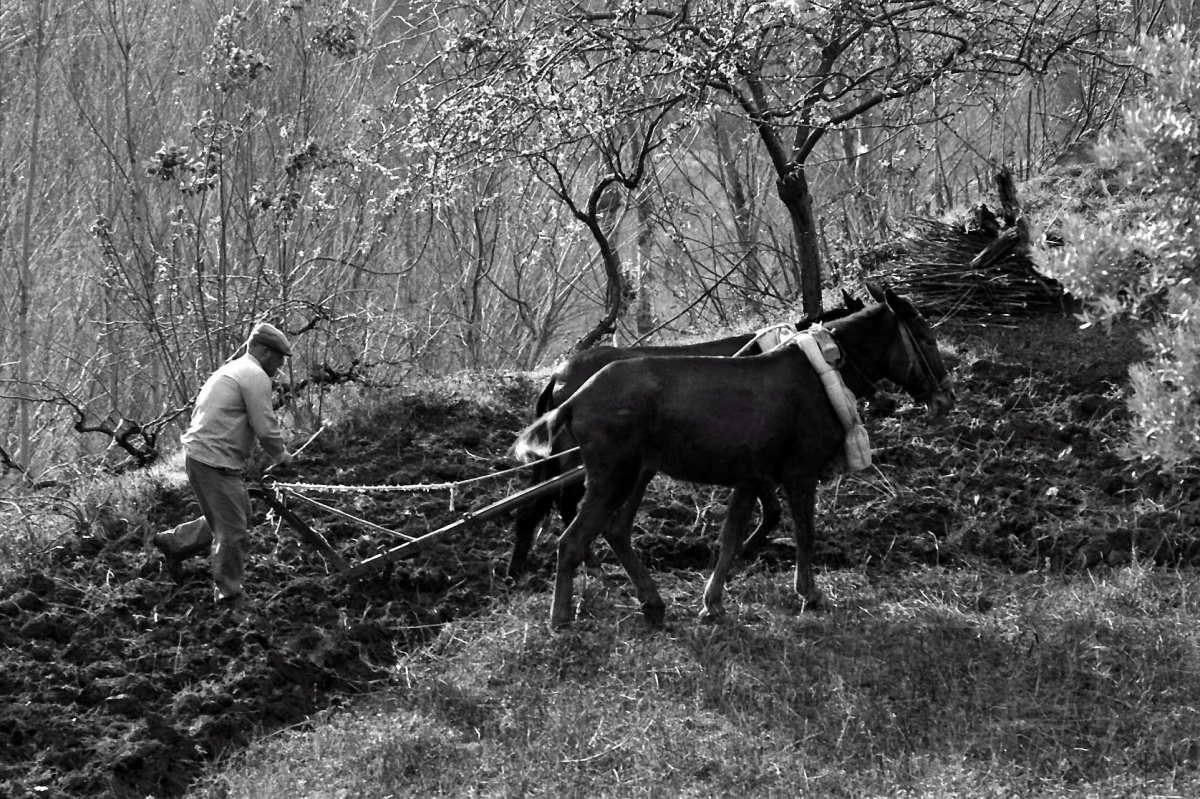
(232, 410)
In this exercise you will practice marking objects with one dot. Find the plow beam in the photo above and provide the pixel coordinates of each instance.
(270, 495)
(411, 548)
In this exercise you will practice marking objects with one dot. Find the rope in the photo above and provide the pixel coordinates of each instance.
(296, 490)
(349, 517)
(413, 487)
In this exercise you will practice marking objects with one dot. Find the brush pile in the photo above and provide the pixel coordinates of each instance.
(978, 267)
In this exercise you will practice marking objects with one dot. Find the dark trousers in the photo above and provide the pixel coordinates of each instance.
(225, 503)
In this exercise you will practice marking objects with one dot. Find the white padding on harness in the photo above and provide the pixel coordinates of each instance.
(769, 338)
(824, 354)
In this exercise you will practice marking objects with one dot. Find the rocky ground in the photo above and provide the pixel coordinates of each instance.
(121, 682)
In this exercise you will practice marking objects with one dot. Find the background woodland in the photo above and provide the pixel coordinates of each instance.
(434, 187)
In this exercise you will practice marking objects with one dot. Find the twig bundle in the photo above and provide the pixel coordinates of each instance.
(962, 269)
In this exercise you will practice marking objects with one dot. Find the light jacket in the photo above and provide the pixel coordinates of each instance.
(232, 411)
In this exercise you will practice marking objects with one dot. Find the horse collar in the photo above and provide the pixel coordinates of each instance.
(831, 351)
(844, 360)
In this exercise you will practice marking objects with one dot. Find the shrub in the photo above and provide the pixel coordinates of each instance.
(1139, 257)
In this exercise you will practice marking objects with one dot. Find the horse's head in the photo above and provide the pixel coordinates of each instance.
(913, 360)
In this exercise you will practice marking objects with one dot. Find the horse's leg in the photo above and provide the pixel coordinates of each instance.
(605, 491)
(772, 512)
(802, 497)
(741, 505)
(568, 505)
(529, 517)
(619, 535)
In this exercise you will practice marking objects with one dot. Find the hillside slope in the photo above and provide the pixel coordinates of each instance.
(124, 684)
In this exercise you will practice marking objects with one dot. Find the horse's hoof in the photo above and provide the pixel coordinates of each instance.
(752, 550)
(712, 615)
(814, 602)
(655, 613)
(560, 621)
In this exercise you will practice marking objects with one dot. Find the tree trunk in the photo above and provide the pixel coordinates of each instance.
(616, 293)
(1009, 202)
(643, 314)
(794, 191)
(25, 349)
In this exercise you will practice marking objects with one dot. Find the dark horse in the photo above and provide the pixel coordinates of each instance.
(748, 423)
(574, 372)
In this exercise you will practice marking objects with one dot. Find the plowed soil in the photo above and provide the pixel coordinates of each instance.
(120, 682)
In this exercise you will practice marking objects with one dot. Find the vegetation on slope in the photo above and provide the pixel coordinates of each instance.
(1007, 552)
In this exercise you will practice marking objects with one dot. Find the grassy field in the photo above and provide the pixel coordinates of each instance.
(932, 683)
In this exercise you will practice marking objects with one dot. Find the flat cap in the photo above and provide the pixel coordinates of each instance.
(270, 336)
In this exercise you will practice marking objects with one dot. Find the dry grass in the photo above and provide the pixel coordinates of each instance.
(933, 683)
(33, 524)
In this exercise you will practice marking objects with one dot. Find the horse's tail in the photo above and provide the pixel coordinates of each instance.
(537, 440)
(545, 400)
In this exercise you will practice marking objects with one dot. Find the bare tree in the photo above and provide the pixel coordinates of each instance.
(555, 88)
(546, 92)
(797, 72)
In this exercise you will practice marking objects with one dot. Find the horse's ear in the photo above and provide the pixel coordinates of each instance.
(876, 293)
(900, 306)
(850, 302)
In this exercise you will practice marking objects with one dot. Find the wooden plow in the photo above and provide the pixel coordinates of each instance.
(274, 495)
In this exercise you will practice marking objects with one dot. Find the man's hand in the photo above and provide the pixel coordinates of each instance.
(281, 465)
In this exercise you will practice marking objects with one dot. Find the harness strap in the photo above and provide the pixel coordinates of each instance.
(825, 355)
(768, 338)
(917, 360)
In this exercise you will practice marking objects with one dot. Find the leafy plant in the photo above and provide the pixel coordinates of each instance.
(1138, 259)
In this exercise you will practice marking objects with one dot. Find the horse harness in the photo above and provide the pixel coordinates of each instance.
(917, 357)
(916, 361)
(826, 357)
(770, 338)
